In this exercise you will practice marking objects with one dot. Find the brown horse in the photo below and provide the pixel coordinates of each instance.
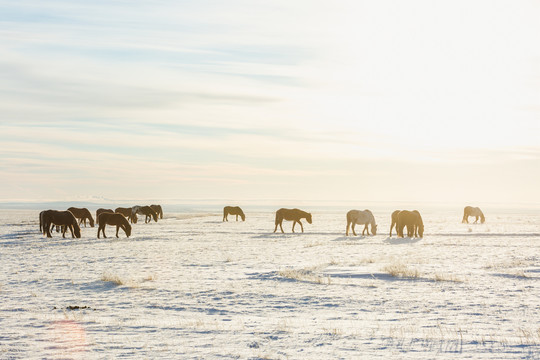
(291, 215)
(147, 211)
(100, 211)
(127, 213)
(65, 219)
(233, 210)
(109, 218)
(473, 211)
(158, 210)
(412, 220)
(82, 214)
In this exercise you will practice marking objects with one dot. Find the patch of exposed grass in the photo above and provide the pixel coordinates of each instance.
(401, 270)
(306, 275)
(446, 277)
(115, 279)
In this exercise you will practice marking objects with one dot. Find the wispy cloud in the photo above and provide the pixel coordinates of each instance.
(292, 95)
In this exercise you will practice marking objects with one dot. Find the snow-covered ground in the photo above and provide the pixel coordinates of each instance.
(192, 286)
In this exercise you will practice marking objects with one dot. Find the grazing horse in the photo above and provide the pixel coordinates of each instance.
(65, 219)
(233, 210)
(473, 211)
(412, 220)
(146, 211)
(291, 215)
(361, 218)
(117, 219)
(127, 212)
(100, 211)
(82, 214)
(394, 220)
(158, 210)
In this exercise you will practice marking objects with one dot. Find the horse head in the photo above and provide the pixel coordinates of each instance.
(308, 218)
(91, 219)
(127, 228)
(77, 230)
(242, 215)
(374, 229)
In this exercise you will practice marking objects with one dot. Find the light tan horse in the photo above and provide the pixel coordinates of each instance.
(64, 219)
(82, 214)
(109, 218)
(394, 220)
(291, 215)
(361, 218)
(127, 212)
(473, 211)
(233, 210)
(413, 221)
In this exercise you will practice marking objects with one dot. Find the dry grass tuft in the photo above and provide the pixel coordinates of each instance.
(447, 277)
(108, 277)
(306, 275)
(401, 270)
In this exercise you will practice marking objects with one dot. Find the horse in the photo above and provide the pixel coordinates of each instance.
(100, 211)
(82, 214)
(146, 211)
(412, 220)
(65, 219)
(394, 221)
(127, 213)
(361, 218)
(109, 218)
(158, 210)
(291, 215)
(233, 210)
(473, 211)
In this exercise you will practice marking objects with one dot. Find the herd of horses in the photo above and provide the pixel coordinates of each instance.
(121, 217)
(74, 217)
(401, 219)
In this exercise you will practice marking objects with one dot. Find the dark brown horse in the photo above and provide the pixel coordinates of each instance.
(233, 210)
(291, 215)
(158, 210)
(147, 211)
(64, 219)
(127, 213)
(82, 214)
(100, 211)
(109, 218)
(473, 211)
(412, 220)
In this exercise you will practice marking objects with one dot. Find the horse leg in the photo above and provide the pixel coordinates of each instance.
(391, 226)
(347, 229)
(352, 228)
(475, 221)
(117, 228)
(365, 229)
(225, 216)
(301, 226)
(294, 223)
(47, 229)
(236, 217)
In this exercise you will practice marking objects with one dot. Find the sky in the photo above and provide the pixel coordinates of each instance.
(279, 101)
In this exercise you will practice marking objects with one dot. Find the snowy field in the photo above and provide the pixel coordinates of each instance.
(191, 286)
